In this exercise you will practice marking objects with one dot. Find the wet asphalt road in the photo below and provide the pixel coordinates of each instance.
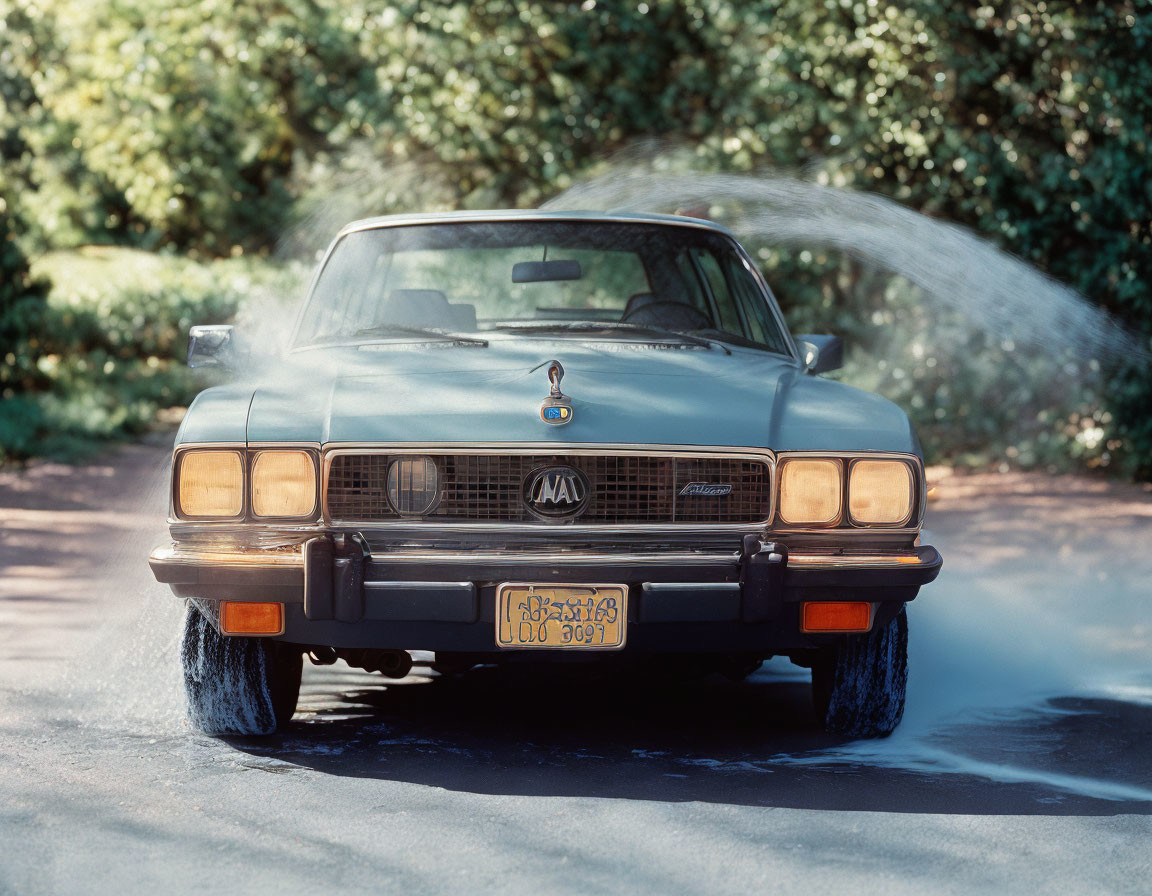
(1025, 761)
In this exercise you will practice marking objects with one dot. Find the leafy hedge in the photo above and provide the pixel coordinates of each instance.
(111, 344)
(22, 318)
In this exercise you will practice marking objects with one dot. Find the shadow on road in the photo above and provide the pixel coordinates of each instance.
(570, 733)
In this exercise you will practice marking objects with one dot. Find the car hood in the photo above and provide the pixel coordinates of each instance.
(621, 393)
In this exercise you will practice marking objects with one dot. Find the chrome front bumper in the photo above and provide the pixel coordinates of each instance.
(338, 592)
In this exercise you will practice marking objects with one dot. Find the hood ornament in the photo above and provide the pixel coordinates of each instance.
(557, 407)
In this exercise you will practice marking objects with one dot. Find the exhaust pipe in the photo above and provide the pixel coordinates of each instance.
(392, 663)
(395, 663)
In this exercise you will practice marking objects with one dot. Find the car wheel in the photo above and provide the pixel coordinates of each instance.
(858, 686)
(238, 686)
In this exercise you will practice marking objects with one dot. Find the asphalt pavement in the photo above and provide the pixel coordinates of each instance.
(1025, 760)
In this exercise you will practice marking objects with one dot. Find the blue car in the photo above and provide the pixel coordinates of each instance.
(533, 437)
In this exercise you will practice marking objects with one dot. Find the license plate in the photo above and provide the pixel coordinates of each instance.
(576, 617)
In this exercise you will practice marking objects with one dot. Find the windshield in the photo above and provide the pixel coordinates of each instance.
(569, 278)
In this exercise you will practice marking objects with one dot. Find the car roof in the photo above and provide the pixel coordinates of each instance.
(620, 216)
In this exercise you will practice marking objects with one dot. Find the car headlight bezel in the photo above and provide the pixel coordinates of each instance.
(306, 477)
(247, 457)
(846, 520)
(182, 488)
(808, 465)
(908, 480)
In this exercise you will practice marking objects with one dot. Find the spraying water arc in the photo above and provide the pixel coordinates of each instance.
(954, 268)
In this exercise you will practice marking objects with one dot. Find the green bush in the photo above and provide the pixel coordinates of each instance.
(112, 341)
(24, 321)
(23, 313)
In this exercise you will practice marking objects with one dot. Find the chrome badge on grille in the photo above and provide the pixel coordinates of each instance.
(556, 492)
(557, 407)
(706, 490)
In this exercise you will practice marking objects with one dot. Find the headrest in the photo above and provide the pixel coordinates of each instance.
(637, 302)
(423, 308)
(464, 316)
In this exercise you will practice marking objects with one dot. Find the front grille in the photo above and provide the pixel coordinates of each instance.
(623, 489)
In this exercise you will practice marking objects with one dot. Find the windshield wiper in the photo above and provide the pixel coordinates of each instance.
(585, 326)
(441, 335)
(690, 337)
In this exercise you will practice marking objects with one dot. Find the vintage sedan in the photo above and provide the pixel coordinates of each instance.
(542, 437)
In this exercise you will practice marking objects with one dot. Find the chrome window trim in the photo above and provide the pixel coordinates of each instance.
(770, 298)
(335, 449)
(514, 215)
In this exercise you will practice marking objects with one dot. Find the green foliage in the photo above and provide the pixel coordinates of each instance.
(23, 323)
(23, 309)
(22, 312)
(194, 112)
(112, 343)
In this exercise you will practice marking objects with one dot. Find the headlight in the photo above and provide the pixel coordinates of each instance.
(810, 491)
(283, 484)
(880, 492)
(413, 485)
(210, 483)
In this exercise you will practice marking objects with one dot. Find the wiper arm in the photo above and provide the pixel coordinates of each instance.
(690, 337)
(590, 326)
(540, 326)
(442, 335)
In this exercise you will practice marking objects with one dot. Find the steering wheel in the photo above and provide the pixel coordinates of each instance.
(667, 316)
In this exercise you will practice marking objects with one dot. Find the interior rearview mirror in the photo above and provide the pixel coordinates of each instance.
(545, 271)
(821, 353)
(213, 345)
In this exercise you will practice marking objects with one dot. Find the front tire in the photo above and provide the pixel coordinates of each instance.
(859, 685)
(237, 686)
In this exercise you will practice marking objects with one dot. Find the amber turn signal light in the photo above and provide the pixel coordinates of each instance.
(836, 616)
(244, 618)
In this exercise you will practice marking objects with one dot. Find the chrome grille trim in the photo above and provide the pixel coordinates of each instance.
(627, 454)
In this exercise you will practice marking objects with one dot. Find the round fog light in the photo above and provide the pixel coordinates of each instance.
(413, 485)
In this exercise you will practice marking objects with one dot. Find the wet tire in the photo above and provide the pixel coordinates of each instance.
(237, 686)
(858, 686)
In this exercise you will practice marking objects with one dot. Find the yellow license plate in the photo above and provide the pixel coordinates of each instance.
(577, 617)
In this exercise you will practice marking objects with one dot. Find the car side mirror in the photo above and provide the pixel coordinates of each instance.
(212, 346)
(821, 353)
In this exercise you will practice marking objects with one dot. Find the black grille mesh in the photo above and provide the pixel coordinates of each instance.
(488, 488)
